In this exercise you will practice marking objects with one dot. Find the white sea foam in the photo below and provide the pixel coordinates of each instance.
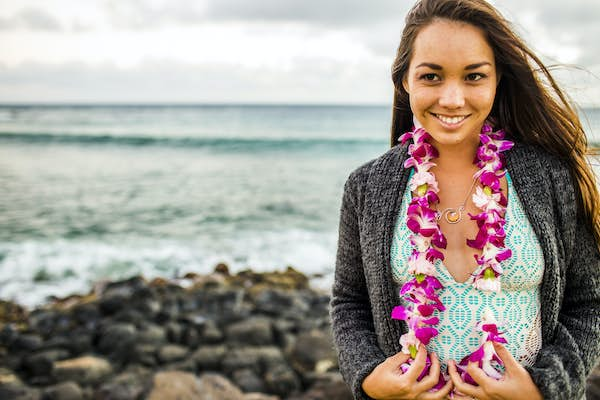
(33, 270)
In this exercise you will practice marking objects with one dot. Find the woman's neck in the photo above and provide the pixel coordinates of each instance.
(456, 158)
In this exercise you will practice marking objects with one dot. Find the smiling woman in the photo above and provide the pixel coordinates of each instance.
(503, 304)
(451, 91)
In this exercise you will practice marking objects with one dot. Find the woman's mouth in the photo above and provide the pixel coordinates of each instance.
(450, 120)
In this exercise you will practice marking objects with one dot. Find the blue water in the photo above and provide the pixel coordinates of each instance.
(105, 192)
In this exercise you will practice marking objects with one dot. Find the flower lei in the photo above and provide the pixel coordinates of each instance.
(420, 292)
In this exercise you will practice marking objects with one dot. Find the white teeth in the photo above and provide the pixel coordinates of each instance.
(450, 120)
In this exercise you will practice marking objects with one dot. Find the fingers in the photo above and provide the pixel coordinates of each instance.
(394, 362)
(440, 394)
(461, 385)
(510, 364)
(417, 366)
(432, 378)
(480, 376)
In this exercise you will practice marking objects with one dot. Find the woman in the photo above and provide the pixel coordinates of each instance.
(426, 214)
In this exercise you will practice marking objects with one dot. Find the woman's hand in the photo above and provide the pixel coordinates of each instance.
(516, 384)
(387, 382)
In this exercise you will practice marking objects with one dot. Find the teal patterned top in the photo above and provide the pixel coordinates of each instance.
(517, 305)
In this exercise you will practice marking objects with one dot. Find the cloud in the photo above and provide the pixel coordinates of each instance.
(567, 33)
(329, 13)
(31, 19)
(335, 48)
(307, 81)
(139, 14)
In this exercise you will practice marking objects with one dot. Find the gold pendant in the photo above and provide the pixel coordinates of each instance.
(453, 215)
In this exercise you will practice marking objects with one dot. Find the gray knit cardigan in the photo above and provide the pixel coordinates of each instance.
(364, 292)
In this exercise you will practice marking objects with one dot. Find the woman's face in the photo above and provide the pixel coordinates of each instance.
(451, 81)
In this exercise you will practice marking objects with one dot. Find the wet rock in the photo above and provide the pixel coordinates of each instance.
(209, 357)
(169, 309)
(151, 333)
(117, 340)
(28, 342)
(248, 380)
(124, 288)
(130, 315)
(171, 352)
(11, 387)
(19, 393)
(128, 385)
(87, 315)
(12, 312)
(224, 305)
(328, 386)
(87, 370)
(41, 363)
(176, 385)
(175, 332)
(282, 380)
(117, 296)
(252, 331)
(145, 354)
(222, 269)
(285, 304)
(191, 337)
(211, 333)
(290, 279)
(63, 391)
(313, 351)
(257, 359)
(79, 341)
(260, 396)
(8, 335)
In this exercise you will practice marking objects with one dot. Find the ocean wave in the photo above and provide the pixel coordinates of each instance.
(225, 144)
(32, 270)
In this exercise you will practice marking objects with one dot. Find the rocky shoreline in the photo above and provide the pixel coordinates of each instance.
(248, 336)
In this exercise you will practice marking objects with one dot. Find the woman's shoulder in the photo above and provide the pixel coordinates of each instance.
(375, 173)
(535, 153)
(382, 164)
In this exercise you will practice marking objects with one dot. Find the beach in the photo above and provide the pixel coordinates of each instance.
(217, 336)
(145, 247)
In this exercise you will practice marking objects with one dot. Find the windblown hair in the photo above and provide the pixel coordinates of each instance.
(529, 105)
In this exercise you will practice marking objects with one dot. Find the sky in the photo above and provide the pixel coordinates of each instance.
(249, 51)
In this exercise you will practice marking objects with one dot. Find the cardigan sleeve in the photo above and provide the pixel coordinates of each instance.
(563, 364)
(352, 321)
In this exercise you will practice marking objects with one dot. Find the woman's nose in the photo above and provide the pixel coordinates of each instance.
(452, 96)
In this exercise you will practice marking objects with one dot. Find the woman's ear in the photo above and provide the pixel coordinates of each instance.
(405, 84)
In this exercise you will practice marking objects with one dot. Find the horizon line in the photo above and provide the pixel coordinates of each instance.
(206, 104)
(187, 104)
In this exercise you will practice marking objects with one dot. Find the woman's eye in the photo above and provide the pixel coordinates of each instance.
(475, 77)
(429, 77)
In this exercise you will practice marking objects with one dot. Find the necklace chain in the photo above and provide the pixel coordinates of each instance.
(453, 215)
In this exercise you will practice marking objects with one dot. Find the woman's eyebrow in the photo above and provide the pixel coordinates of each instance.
(439, 67)
(429, 65)
(477, 65)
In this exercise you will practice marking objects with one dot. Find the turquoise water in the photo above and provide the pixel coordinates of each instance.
(104, 192)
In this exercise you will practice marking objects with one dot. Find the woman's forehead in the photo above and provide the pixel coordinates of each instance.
(451, 43)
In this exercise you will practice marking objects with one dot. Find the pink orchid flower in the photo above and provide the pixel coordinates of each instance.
(485, 356)
(423, 179)
(487, 202)
(419, 264)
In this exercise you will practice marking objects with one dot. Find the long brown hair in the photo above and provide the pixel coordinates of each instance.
(529, 105)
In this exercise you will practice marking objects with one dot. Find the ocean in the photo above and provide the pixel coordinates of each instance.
(96, 192)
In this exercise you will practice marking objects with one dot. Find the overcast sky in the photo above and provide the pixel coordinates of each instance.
(248, 51)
